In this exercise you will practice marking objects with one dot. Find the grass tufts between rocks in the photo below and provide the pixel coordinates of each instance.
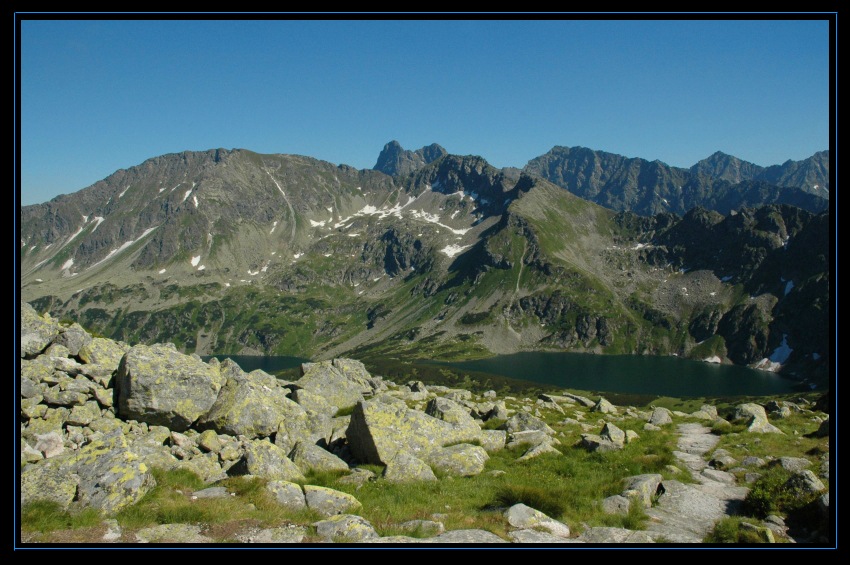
(46, 516)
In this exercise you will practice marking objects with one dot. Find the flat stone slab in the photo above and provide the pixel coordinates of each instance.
(696, 439)
(465, 536)
(614, 535)
(534, 536)
(687, 513)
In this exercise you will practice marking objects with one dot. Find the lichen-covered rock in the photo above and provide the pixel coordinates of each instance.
(52, 480)
(358, 476)
(284, 534)
(345, 528)
(103, 352)
(37, 332)
(464, 536)
(643, 488)
(84, 415)
(52, 421)
(55, 396)
(603, 534)
(525, 517)
(422, 528)
(313, 402)
(252, 405)
(161, 386)
(311, 457)
(293, 427)
(287, 494)
(524, 422)
(208, 441)
(172, 533)
(493, 440)
(538, 450)
(205, 466)
(755, 418)
(461, 460)
(804, 483)
(329, 502)
(378, 431)
(266, 460)
(448, 411)
(74, 337)
(342, 382)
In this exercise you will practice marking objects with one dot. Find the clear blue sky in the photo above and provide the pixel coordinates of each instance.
(97, 96)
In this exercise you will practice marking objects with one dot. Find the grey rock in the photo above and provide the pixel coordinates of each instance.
(660, 416)
(83, 415)
(804, 483)
(29, 454)
(616, 504)
(54, 396)
(50, 444)
(651, 427)
(268, 461)
(311, 457)
(792, 464)
(208, 441)
(37, 332)
(584, 401)
(113, 531)
(422, 528)
(493, 440)
(404, 468)
(531, 438)
(613, 434)
(205, 466)
(755, 418)
(525, 517)
(358, 476)
(643, 488)
(687, 513)
(465, 536)
(252, 404)
(604, 407)
(449, 411)
(594, 442)
(615, 535)
(718, 476)
(524, 422)
(160, 386)
(105, 397)
(342, 382)
(287, 494)
(461, 460)
(103, 352)
(284, 534)
(313, 402)
(29, 389)
(294, 427)
(631, 436)
(538, 450)
(52, 479)
(329, 502)
(823, 429)
(111, 476)
(534, 536)
(211, 492)
(172, 533)
(345, 528)
(74, 337)
(498, 412)
(377, 431)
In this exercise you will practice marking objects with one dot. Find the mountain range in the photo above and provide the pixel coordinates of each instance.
(438, 255)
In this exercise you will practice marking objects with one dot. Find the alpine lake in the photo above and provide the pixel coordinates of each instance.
(622, 374)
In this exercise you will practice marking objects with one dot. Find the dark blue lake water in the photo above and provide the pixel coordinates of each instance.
(665, 376)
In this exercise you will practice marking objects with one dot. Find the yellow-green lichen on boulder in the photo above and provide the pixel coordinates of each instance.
(37, 332)
(248, 404)
(159, 385)
(111, 476)
(329, 502)
(50, 479)
(345, 528)
(266, 460)
(378, 430)
(461, 460)
(342, 382)
(103, 352)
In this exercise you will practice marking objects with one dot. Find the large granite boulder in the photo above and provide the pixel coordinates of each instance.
(104, 353)
(460, 460)
(342, 382)
(379, 430)
(525, 517)
(37, 332)
(404, 468)
(755, 417)
(252, 404)
(158, 385)
(268, 461)
(328, 502)
(311, 457)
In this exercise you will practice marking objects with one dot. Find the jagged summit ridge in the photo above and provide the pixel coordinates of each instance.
(394, 160)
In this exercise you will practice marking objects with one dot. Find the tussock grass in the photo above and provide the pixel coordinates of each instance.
(46, 516)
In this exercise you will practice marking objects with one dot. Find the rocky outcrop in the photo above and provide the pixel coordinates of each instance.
(161, 386)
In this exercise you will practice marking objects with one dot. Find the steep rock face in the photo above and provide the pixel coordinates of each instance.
(720, 182)
(394, 160)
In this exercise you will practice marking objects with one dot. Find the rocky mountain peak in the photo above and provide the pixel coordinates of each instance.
(395, 160)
